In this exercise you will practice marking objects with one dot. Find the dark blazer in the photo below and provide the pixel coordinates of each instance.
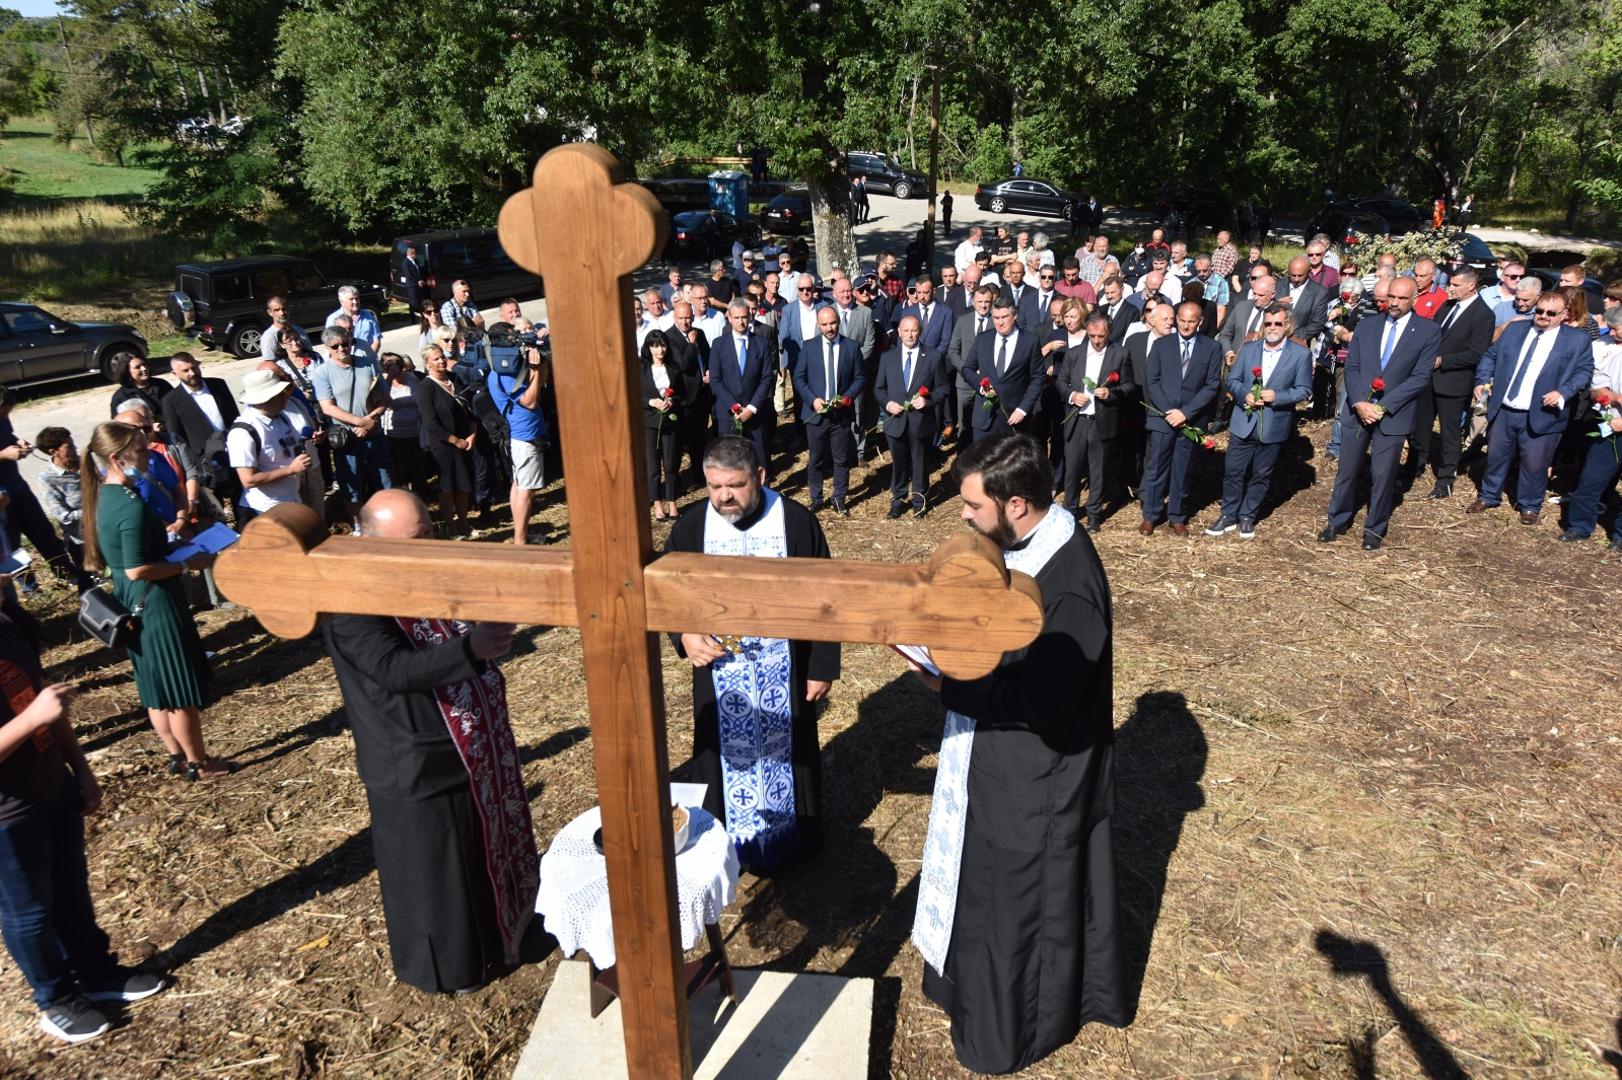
(650, 415)
(1407, 374)
(414, 281)
(693, 360)
(1124, 317)
(1137, 360)
(442, 413)
(186, 422)
(1291, 382)
(1027, 316)
(811, 377)
(1570, 369)
(959, 298)
(928, 370)
(1017, 388)
(1463, 344)
(938, 334)
(1070, 371)
(752, 387)
(1310, 307)
(1167, 388)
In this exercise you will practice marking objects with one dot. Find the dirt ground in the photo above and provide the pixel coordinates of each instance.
(1367, 822)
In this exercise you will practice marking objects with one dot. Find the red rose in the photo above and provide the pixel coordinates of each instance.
(923, 391)
(668, 393)
(845, 402)
(985, 384)
(1209, 443)
(1114, 377)
(1601, 398)
(1378, 385)
(1256, 372)
(737, 410)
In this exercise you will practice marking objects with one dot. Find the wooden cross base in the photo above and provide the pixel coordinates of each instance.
(697, 974)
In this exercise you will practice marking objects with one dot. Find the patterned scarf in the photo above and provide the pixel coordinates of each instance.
(475, 712)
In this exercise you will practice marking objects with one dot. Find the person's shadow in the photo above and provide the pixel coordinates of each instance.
(1160, 753)
(1348, 957)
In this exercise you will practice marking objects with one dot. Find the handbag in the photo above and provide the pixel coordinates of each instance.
(108, 621)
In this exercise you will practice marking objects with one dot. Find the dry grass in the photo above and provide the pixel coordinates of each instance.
(1403, 762)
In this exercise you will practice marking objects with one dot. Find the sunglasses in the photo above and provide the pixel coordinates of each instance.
(1272, 322)
(1045, 277)
(804, 289)
(1512, 277)
(1550, 311)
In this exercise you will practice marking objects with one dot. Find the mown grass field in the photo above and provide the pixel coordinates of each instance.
(48, 170)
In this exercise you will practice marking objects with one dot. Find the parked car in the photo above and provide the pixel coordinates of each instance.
(1017, 194)
(1196, 207)
(36, 346)
(789, 213)
(1380, 216)
(1593, 286)
(679, 193)
(473, 255)
(1478, 256)
(707, 234)
(222, 304)
(885, 175)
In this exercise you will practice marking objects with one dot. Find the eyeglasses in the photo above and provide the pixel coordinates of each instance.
(1550, 311)
(804, 288)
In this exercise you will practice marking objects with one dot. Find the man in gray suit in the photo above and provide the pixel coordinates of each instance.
(1244, 322)
(1262, 421)
(1308, 300)
(975, 321)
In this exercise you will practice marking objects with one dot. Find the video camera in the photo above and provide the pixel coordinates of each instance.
(507, 349)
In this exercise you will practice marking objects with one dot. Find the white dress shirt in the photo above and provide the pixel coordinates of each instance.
(1270, 358)
(1095, 372)
(1540, 345)
(205, 401)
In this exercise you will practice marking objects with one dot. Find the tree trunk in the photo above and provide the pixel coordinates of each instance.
(830, 219)
(1515, 165)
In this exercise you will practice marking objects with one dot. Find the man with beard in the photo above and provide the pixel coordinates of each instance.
(1017, 916)
(763, 767)
(451, 830)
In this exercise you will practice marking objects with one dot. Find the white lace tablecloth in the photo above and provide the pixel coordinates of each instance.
(573, 897)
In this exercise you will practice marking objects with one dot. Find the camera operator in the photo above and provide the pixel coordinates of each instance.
(518, 397)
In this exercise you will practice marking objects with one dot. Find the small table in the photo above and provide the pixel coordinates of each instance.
(573, 901)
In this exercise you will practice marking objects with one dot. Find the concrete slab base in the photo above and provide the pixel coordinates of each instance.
(798, 1027)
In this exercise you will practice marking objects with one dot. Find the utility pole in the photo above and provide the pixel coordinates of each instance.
(934, 164)
(73, 72)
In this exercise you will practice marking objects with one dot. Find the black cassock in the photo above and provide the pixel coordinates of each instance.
(1036, 950)
(437, 900)
(808, 660)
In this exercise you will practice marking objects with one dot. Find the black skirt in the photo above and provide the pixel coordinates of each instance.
(455, 469)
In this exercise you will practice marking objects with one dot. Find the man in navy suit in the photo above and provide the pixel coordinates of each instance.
(413, 280)
(1256, 435)
(742, 374)
(1528, 377)
(1008, 359)
(936, 321)
(1027, 314)
(1400, 351)
(1183, 372)
(830, 370)
(911, 377)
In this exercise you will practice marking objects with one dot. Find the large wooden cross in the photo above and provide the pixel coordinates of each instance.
(585, 231)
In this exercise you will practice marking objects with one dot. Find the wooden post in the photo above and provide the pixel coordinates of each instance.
(585, 232)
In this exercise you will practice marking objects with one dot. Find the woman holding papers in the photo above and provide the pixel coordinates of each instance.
(129, 541)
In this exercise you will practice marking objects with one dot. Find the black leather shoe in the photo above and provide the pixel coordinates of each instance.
(920, 509)
(896, 510)
(1329, 535)
(1442, 490)
(817, 505)
(1372, 542)
(1571, 537)
(840, 509)
(1093, 525)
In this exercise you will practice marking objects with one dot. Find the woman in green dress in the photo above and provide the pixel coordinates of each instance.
(129, 540)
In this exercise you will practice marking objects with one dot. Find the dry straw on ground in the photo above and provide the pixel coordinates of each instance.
(1367, 824)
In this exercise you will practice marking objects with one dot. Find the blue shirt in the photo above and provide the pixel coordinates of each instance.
(526, 425)
(363, 327)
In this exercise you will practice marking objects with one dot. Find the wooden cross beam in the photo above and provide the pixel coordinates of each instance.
(586, 232)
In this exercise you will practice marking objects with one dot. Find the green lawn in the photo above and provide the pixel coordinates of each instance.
(48, 170)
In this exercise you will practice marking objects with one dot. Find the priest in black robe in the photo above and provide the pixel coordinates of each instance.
(755, 699)
(451, 829)
(1017, 916)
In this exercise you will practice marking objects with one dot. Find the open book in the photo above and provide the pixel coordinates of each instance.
(212, 540)
(919, 655)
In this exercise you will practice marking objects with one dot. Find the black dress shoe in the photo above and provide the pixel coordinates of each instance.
(817, 505)
(1442, 490)
(1572, 537)
(1093, 525)
(840, 508)
(1372, 542)
(896, 510)
(920, 509)
(1329, 535)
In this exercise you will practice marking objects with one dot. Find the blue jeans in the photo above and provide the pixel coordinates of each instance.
(363, 468)
(45, 911)
(1600, 470)
(1333, 449)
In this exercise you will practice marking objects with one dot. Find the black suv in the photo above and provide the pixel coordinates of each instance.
(885, 175)
(471, 255)
(36, 346)
(222, 304)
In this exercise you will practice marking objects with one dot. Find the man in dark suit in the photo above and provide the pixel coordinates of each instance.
(954, 294)
(1113, 303)
(830, 371)
(1257, 434)
(1308, 300)
(1027, 315)
(968, 327)
(741, 374)
(936, 320)
(1529, 377)
(1092, 387)
(1131, 440)
(1398, 351)
(1467, 325)
(1183, 374)
(911, 376)
(197, 414)
(690, 352)
(413, 280)
(1009, 364)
